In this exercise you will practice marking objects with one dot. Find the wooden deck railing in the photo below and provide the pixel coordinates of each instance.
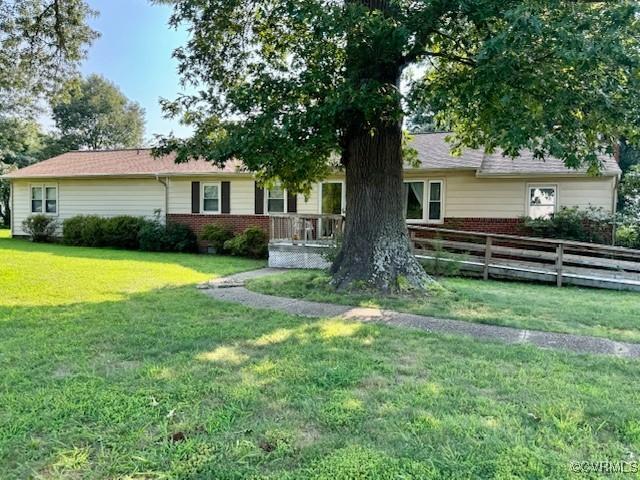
(530, 258)
(303, 229)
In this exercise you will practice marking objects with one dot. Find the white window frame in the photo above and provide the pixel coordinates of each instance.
(285, 194)
(531, 186)
(343, 200)
(425, 197)
(43, 187)
(428, 201)
(211, 184)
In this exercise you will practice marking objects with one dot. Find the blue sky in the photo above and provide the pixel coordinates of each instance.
(134, 52)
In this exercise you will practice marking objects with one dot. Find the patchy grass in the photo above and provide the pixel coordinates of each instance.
(601, 313)
(110, 377)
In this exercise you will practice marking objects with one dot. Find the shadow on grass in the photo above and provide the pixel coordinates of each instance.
(174, 384)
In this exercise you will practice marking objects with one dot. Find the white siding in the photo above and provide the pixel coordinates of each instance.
(310, 205)
(465, 195)
(242, 194)
(108, 198)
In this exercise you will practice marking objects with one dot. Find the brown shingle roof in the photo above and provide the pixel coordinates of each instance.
(118, 162)
(433, 154)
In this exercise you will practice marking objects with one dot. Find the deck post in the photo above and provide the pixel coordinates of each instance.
(487, 258)
(559, 260)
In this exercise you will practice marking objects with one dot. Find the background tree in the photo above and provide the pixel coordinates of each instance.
(21, 144)
(41, 43)
(286, 85)
(93, 113)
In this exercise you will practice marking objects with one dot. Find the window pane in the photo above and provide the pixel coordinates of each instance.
(51, 193)
(332, 198)
(414, 195)
(542, 201)
(434, 210)
(210, 191)
(36, 193)
(542, 196)
(276, 205)
(51, 206)
(435, 191)
(541, 211)
(36, 206)
(276, 193)
(210, 205)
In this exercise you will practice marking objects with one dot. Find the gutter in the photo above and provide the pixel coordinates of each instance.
(166, 196)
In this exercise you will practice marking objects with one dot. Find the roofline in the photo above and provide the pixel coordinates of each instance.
(130, 175)
(609, 173)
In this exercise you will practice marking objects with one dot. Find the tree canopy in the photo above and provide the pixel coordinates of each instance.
(41, 43)
(93, 113)
(281, 81)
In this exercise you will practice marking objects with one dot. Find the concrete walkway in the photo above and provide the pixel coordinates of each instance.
(232, 289)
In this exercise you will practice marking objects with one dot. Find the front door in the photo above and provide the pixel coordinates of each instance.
(331, 203)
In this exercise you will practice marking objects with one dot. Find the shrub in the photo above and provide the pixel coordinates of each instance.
(217, 235)
(41, 228)
(628, 236)
(174, 237)
(253, 243)
(123, 231)
(151, 237)
(572, 223)
(72, 230)
(180, 238)
(93, 231)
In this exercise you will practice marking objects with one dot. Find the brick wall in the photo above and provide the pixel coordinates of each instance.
(237, 223)
(508, 226)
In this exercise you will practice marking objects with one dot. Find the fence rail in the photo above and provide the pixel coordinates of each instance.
(299, 229)
(485, 255)
(528, 258)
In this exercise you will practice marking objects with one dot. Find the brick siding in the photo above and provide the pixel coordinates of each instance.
(508, 226)
(237, 223)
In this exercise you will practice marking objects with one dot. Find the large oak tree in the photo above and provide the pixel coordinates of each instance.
(289, 86)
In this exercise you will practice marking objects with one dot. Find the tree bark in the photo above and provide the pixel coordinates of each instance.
(375, 248)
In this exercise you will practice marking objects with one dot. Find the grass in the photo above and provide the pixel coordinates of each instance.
(112, 365)
(601, 313)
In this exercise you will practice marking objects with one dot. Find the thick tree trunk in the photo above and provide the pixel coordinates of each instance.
(375, 248)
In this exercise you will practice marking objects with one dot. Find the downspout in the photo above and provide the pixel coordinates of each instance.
(11, 202)
(166, 196)
(614, 208)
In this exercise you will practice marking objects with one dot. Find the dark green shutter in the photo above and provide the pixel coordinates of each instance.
(292, 203)
(226, 198)
(195, 197)
(259, 200)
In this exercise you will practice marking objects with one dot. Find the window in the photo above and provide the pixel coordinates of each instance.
(211, 198)
(413, 200)
(331, 198)
(44, 199)
(435, 201)
(276, 200)
(542, 201)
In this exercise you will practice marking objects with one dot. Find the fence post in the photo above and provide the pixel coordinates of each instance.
(487, 258)
(559, 255)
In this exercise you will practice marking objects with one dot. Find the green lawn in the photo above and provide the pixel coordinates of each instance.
(601, 313)
(112, 365)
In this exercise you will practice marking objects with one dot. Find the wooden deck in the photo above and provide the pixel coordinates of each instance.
(479, 254)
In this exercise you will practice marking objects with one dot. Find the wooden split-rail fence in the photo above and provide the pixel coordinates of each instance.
(529, 258)
(486, 255)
